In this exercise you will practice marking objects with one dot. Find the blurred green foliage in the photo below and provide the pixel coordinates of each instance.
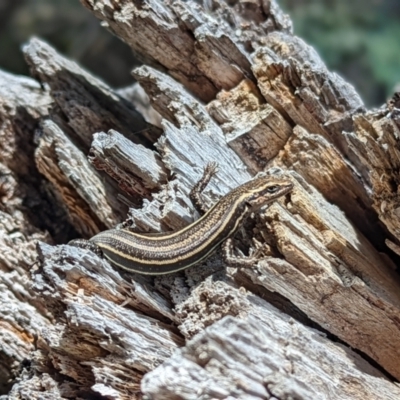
(71, 29)
(360, 39)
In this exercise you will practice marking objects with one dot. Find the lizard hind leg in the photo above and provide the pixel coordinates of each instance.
(86, 244)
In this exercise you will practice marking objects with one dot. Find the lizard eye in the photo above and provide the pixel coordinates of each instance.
(272, 189)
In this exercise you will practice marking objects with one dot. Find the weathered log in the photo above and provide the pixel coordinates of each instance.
(264, 354)
(26, 208)
(227, 83)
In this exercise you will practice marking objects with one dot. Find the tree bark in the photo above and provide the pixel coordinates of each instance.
(317, 317)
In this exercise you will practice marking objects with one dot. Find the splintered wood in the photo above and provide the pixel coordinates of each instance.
(316, 318)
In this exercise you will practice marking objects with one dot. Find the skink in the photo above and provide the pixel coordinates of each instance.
(173, 251)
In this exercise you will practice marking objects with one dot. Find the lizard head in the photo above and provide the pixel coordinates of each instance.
(264, 189)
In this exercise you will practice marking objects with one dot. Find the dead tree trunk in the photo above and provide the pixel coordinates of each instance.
(318, 317)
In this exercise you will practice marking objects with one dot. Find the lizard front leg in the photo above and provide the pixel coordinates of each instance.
(195, 194)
